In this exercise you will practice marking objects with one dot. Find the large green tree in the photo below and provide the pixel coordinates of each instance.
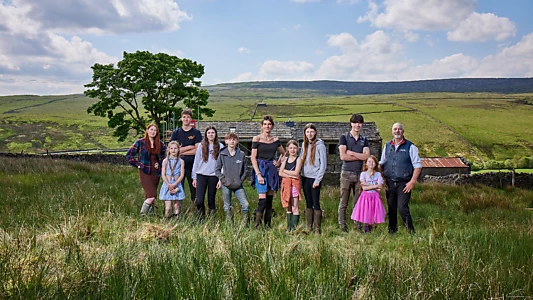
(144, 88)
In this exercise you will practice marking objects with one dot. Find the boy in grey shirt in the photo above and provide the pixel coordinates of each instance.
(231, 171)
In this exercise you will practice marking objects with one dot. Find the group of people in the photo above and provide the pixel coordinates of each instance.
(208, 166)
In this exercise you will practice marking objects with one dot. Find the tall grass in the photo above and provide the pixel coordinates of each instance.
(72, 230)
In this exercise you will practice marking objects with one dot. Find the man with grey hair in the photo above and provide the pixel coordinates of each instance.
(401, 167)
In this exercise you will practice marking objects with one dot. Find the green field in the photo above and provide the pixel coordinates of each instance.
(478, 126)
(73, 230)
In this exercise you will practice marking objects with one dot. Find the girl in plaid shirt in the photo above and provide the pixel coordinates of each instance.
(147, 155)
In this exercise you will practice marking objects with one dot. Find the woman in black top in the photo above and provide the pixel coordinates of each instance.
(265, 177)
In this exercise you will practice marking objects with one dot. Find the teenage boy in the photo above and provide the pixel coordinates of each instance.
(189, 139)
(353, 150)
(231, 170)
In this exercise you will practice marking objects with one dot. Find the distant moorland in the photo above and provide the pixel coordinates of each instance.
(480, 126)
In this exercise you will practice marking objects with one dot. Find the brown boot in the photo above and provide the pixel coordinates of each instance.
(309, 219)
(317, 221)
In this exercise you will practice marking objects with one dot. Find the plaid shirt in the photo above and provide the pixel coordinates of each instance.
(139, 157)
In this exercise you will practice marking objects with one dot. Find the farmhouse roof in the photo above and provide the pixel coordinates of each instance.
(442, 162)
(327, 131)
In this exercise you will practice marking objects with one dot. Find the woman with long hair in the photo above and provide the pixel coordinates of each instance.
(314, 166)
(266, 176)
(203, 172)
(147, 155)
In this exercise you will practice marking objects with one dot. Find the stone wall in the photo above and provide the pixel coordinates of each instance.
(119, 159)
(493, 179)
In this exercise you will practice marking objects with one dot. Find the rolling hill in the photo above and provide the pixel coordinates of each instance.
(450, 120)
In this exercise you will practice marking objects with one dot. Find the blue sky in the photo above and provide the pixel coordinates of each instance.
(48, 47)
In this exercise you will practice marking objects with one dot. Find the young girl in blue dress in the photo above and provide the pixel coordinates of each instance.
(173, 172)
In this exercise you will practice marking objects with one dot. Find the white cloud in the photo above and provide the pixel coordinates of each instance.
(419, 14)
(483, 27)
(244, 77)
(377, 57)
(379, 43)
(244, 50)
(6, 63)
(49, 55)
(345, 41)
(457, 65)
(512, 61)
(278, 70)
(40, 40)
(15, 21)
(410, 36)
(348, 1)
(176, 52)
(97, 16)
(26, 85)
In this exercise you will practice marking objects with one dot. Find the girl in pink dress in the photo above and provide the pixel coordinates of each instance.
(369, 209)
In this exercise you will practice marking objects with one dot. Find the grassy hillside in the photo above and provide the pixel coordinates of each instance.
(39, 123)
(71, 229)
(479, 126)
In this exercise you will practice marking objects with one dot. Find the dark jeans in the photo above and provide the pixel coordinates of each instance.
(398, 201)
(204, 183)
(192, 189)
(312, 195)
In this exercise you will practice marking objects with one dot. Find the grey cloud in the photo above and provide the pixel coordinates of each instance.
(81, 15)
(25, 45)
(54, 14)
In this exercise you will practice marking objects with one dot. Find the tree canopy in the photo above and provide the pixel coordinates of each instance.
(144, 88)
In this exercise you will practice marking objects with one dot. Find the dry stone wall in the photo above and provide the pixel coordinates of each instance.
(493, 179)
(119, 159)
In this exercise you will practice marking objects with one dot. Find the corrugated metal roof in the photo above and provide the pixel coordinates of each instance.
(442, 162)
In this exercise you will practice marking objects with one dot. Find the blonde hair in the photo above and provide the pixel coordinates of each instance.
(173, 143)
(292, 142)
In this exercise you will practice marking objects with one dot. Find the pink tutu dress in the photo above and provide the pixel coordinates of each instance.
(368, 208)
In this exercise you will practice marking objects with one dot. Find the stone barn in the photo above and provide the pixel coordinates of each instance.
(329, 132)
(441, 166)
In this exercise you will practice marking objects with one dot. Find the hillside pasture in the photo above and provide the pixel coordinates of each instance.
(478, 126)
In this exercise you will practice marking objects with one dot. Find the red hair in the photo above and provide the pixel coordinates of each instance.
(376, 165)
(157, 140)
